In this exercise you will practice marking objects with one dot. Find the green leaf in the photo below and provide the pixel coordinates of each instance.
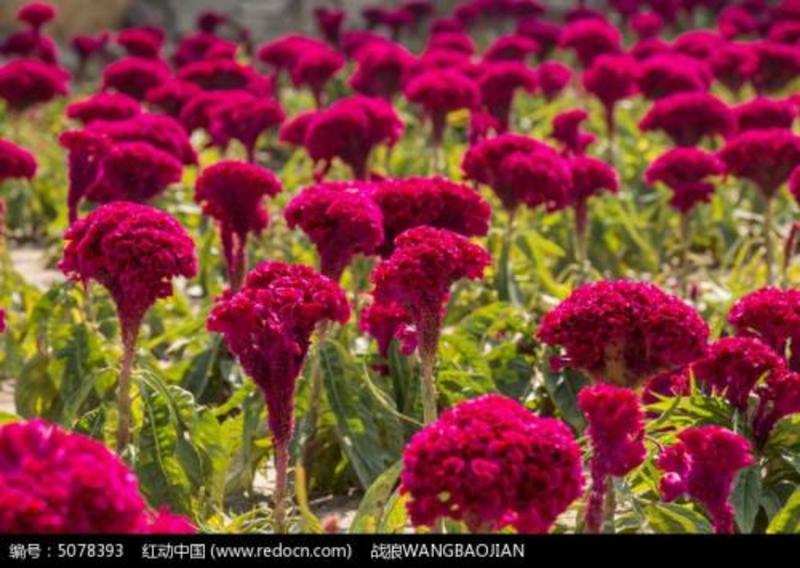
(372, 506)
(787, 520)
(563, 389)
(671, 518)
(746, 498)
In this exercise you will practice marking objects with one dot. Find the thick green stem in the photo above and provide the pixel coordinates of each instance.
(281, 486)
(769, 245)
(428, 345)
(124, 387)
(315, 399)
(610, 507)
(686, 242)
(505, 284)
(581, 226)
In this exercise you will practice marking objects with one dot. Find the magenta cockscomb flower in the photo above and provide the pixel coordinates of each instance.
(356, 42)
(134, 171)
(646, 25)
(29, 44)
(777, 65)
(703, 464)
(645, 49)
(88, 47)
(735, 21)
(734, 365)
(340, 219)
(382, 70)
(697, 44)
(687, 118)
(552, 78)
(85, 151)
(161, 131)
(498, 83)
(314, 68)
(27, 82)
(765, 157)
(439, 93)
(349, 130)
(778, 396)
(283, 53)
(773, 316)
(520, 170)
(645, 331)
(268, 325)
(233, 194)
(733, 65)
(172, 96)
(197, 110)
(15, 162)
(567, 131)
(134, 76)
(491, 463)
(225, 75)
(685, 172)
(203, 46)
(209, 21)
(612, 78)
(668, 74)
(546, 34)
(385, 323)
(435, 201)
(134, 251)
(104, 106)
(57, 482)
(418, 275)
(511, 48)
(329, 22)
(666, 385)
(590, 39)
(36, 14)
(141, 42)
(760, 113)
(244, 120)
(616, 430)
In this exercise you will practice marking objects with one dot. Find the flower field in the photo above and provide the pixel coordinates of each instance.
(508, 269)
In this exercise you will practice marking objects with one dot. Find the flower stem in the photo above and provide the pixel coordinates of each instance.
(581, 225)
(768, 243)
(315, 399)
(281, 486)
(505, 285)
(428, 345)
(610, 507)
(124, 386)
(686, 243)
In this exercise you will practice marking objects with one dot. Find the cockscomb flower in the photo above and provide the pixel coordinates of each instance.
(393, 18)
(225, 75)
(196, 111)
(283, 53)
(777, 65)
(85, 150)
(268, 325)
(443, 60)
(511, 48)
(612, 78)
(385, 323)
(669, 385)
(591, 39)
(172, 96)
(104, 106)
(36, 14)
(567, 131)
(760, 113)
(329, 22)
(697, 44)
(439, 93)
(645, 331)
(735, 21)
(778, 396)
(546, 34)
(28, 44)
(340, 219)
(498, 82)
(161, 131)
(733, 366)
(134, 171)
(552, 78)
(669, 74)
(733, 65)
(645, 49)
(134, 76)
(703, 464)
(233, 194)
(435, 201)
(765, 157)
(245, 121)
(209, 21)
(616, 429)
(314, 68)
(15, 162)
(382, 70)
(356, 42)
(520, 170)
(687, 118)
(202, 46)
(134, 251)
(646, 25)
(773, 316)
(684, 171)
(27, 82)
(56, 482)
(492, 464)
(141, 42)
(87, 47)
(2, 320)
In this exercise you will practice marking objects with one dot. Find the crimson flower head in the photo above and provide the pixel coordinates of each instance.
(172, 96)
(552, 78)
(435, 202)
(703, 464)
(511, 48)
(244, 120)
(687, 118)
(202, 46)
(698, 44)
(773, 316)
(645, 49)
(733, 65)
(418, 275)
(667, 74)
(329, 22)
(441, 92)
(134, 251)
(233, 194)
(134, 171)
(56, 482)
(195, 114)
(777, 65)
(314, 68)
(88, 46)
(27, 82)
(778, 396)
(734, 365)
(765, 157)
(104, 106)
(161, 131)
(141, 42)
(491, 463)
(268, 324)
(645, 331)
(760, 113)
(612, 78)
(349, 130)
(30, 44)
(520, 170)
(209, 20)
(284, 53)
(684, 171)
(340, 219)
(382, 70)
(85, 151)
(36, 14)
(736, 21)
(590, 176)
(546, 34)
(134, 76)
(15, 162)
(385, 323)
(646, 25)
(567, 131)
(225, 75)
(590, 39)
(498, 83)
